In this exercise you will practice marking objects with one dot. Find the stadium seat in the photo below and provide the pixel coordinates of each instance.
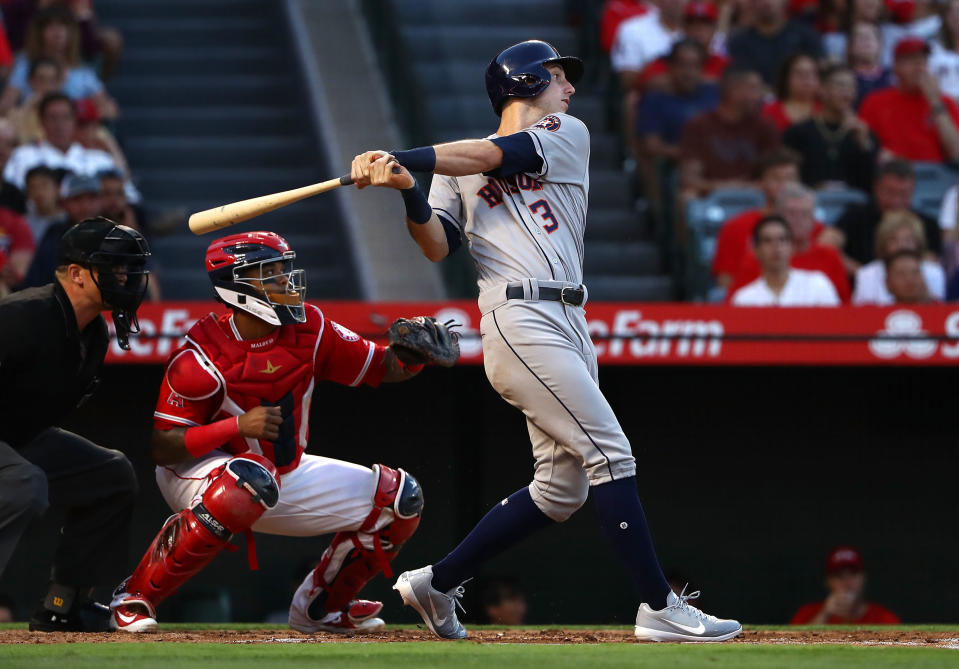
(934, 177)
(831, 203)
(704, 218)
(932, 182)
(711, 212)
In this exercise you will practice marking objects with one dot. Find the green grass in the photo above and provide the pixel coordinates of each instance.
(173, 627)
(461, 655)
(155, 654)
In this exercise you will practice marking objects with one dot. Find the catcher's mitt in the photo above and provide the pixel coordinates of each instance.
(422, 340)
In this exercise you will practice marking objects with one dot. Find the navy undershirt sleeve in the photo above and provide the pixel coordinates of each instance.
(519, 155)
(453, 237)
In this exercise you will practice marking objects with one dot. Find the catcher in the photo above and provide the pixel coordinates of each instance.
(230, 428)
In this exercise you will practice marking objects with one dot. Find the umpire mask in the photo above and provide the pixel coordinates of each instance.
(116, 256)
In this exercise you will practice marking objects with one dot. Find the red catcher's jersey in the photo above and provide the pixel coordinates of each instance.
(217, 374)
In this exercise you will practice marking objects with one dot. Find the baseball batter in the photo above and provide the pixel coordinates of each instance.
(230, 428)
(520, 198)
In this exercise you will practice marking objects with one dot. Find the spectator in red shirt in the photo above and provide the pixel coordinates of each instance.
(720, 148)
(912, 119)
(797, 92)
(776, 169)
(16, 245)
(700, 19)
(846, 603)
(797, 204)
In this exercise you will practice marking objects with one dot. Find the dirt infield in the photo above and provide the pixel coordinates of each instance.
(486, 636)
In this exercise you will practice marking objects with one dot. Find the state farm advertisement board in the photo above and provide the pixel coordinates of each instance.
(646, 334)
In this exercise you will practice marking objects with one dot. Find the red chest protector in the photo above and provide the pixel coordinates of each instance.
(275, 372)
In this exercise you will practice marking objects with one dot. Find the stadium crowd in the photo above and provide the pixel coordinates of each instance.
(835, 121)
(59, 159)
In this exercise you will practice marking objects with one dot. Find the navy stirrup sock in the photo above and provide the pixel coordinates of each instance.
(624, 524)
(508, 522)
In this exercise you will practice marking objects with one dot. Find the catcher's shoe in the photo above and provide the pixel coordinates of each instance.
(359, 618)
(132, 618)
(438, 609)
(681, 621)
(131, 612)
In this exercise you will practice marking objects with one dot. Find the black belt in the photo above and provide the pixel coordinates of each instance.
(571, 296)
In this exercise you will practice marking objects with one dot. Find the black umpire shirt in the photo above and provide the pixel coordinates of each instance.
(47, 365)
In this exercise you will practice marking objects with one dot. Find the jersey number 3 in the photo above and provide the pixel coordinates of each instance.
(547, 215)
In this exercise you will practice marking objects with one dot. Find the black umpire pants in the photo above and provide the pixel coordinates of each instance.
(95, 486)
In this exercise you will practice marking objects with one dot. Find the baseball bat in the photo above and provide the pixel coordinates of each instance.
(237, 212)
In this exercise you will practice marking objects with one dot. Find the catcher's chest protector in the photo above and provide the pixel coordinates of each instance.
(278, 374)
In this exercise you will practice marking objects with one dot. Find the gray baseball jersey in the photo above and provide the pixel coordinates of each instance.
(528, 229)
(529, 225)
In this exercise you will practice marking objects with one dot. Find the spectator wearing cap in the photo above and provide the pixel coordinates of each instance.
(772, 38)
(836, 146)
(721, 147)
(912, 119)
(776, 169)
(899, 231)
(892, 191)
(796, 204)
(864, 55)
(92, 134)
(779, 284)
(58, 116)
(797, 92)
(80, 199)
(846, 603)
(700, 25)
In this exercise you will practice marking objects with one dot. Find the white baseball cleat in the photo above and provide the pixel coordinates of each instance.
(132, 618)
(437, 609)
(681, 621)
(359, 618)
(131, 612)
(307, 614)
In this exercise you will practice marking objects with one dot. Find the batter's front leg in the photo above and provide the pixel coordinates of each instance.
(543, 371)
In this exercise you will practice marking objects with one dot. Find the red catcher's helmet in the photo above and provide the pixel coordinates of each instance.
(240, 267)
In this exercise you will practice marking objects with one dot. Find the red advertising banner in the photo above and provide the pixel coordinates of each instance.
(647, 334)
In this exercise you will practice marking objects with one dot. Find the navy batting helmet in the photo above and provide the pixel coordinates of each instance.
(520, 71)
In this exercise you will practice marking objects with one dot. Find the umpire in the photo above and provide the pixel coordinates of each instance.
(52, 344)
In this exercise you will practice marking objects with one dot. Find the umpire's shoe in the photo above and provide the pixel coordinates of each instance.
(64, 609)
(437, 609)
(681, 621)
